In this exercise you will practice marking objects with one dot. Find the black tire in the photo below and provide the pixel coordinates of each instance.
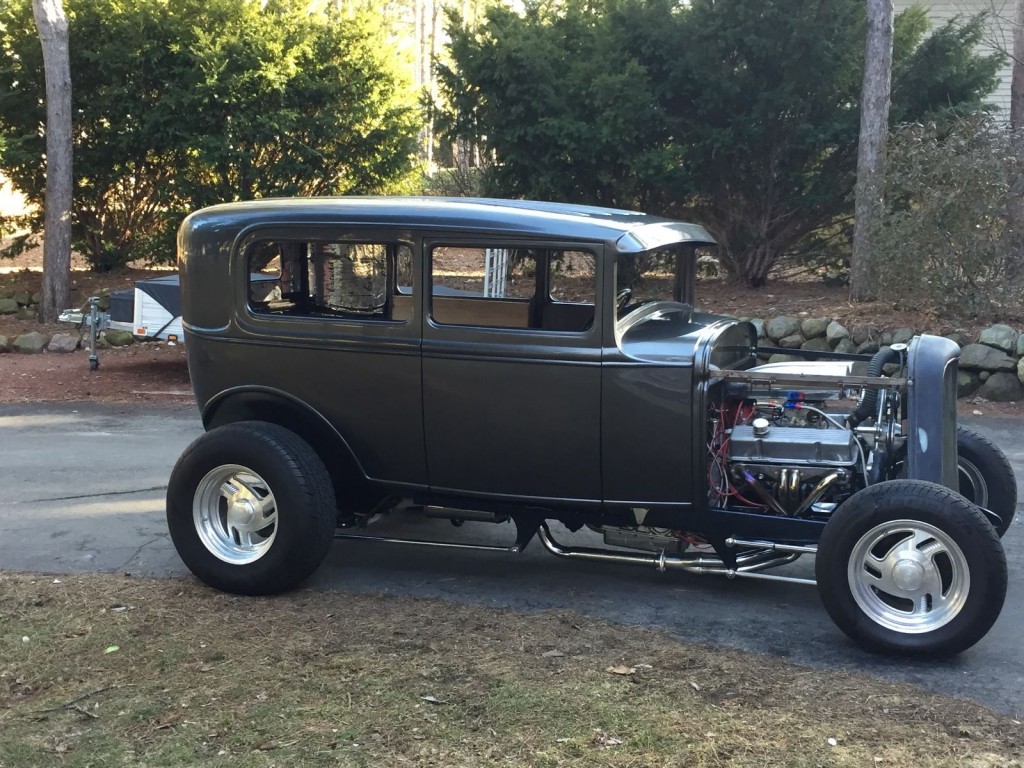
(950, 561)
(986, 477)
(250, 508)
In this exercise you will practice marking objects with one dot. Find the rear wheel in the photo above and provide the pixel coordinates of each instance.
(250, 508)
(909, 567)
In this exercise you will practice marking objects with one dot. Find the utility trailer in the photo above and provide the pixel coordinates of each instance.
(150, 311)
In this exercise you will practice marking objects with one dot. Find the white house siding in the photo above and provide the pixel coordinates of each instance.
(998, 35)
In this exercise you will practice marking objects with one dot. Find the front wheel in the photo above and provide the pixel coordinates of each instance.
(986, 477)
(911, 568)
(250, 508)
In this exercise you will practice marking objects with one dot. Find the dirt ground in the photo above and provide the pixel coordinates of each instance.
(157, 371)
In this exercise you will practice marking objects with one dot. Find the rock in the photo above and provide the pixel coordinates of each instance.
(6, 293)
(118, 338)
(861, 333)
(792, 342)
(813, 327)
(902, 336)
(1020, 365)
(886, 339)
(781, 327)
(967, 383)
(836, 332)
(984, 375)
(8, 306)
(22, 298)
(24, 313)
(817, 345)
(30, 343)
(891, 369)
(982, 358)
(1002, 388)
(104, 300)
(763, 344)
(5, 344)
(999, 336)
(62, 342)
(869, 347)
(759, 327)
(37, 297)
(960, 339)
(846, 346)
(781, 358)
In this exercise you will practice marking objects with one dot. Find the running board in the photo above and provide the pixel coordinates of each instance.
(515, 549)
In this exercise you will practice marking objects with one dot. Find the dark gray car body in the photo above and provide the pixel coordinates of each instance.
(602, 426)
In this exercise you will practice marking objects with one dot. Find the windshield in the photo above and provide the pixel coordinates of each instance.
(666, 274)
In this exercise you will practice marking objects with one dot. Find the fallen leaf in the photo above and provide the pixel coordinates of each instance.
(432, 699)
(112, 649)
(695, 686)
(621, 670)
(552, 654)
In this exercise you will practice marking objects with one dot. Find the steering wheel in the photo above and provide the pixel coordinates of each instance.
(622, 297)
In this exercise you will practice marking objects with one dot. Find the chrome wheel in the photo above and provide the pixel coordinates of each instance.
(909, 576)
(235, 514)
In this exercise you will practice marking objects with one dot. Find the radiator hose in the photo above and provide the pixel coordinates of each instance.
(869, 400)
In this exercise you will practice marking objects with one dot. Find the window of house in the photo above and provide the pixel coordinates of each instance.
(513, 287)
(356, 280)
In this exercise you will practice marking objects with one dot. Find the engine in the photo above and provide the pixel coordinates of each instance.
(786, 456)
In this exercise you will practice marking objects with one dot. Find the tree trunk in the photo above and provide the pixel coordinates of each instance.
(1017, 81)
(53, 34)
(874, 132)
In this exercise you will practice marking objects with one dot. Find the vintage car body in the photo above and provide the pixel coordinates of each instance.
(350, 336)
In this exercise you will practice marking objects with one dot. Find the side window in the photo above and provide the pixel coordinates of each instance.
(356, 280)
(513, 287)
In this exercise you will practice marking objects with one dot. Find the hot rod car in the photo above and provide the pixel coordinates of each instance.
(509, 361)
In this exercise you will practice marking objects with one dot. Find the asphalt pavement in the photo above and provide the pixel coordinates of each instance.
(83, 491)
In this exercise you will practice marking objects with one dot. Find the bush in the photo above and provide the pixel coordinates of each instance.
(744, 115)
(952, 231)
(184, 103)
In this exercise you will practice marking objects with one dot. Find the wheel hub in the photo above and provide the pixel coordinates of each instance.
(241, 512)
(908, 574)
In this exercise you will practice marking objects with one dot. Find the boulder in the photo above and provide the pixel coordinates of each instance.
(999, 336)
(984, 375)
(5, 344)
(817, 345)
(813, 327)
(869, 347)
(781, 327)
(846, 346)
(118, 338)
(1020, 345)
(1002, 387)
(26, 314)
(836, 332)
(37, 297)
(778, 357)
(759, 327)
(960, 339)
(967, 383)
(861, 333)
(902, 335)
(8, 306)
(22, 298)
(886, 339)
(1020, 367)
(979, 357)
(62, 342)
(891, 369)
(30, 343)
(792, 342)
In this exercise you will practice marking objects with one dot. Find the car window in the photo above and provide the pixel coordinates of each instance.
(355, 280)
(665, 274)
(513, 287)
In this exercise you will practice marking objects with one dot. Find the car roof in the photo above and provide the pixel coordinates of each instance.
(629, 230)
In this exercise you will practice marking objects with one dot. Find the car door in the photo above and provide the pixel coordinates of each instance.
(512, 369)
